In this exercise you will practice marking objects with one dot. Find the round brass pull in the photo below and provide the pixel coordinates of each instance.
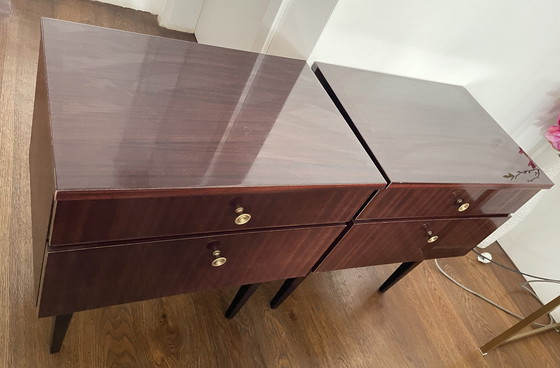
(219, 260)
(463, 206)
(242, 218)
(431, 238)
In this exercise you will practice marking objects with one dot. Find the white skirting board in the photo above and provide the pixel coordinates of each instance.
(287, 28)
(150, 6)
(179, 15)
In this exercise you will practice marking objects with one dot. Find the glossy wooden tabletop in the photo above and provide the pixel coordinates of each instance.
(131, 111)
(427, 132)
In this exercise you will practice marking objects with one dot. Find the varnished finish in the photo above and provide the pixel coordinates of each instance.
(131, 111)
(376, 243)
(58, 331)
(398, 274)
(41, 167)
(133, 218)
(413, 201)
(155, 139)
(326, 323)
(287, 288)
(427, 132)
(76, 280)
(243, 294)
(458, 237)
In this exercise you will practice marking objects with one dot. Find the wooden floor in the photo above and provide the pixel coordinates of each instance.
(333, 320)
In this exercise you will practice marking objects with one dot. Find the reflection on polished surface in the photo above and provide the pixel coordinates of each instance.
(426, 132)
(529, 174)
(131, 111)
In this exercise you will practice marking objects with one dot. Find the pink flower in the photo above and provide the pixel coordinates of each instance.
(531, 163)
(553, 136)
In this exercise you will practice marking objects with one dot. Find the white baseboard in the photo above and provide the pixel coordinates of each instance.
(178, 15)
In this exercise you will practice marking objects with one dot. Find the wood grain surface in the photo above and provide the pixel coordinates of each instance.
(98, 220)
(412, 201)
(131, 111)
(76, 280)
(41, 173)
(333, 320)
(427, 132)
(376, 243)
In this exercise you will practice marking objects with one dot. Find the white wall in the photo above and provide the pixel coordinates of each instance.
(242, 25)
(279, 27)
(180, 15)
(299, 27)
(507, 54)
(533, 244)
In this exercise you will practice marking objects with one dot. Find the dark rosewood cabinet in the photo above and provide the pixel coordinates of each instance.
(161, 167)
(449, 166)
(453, 175)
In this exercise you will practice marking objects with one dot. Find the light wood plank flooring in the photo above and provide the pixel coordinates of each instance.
(333, 320)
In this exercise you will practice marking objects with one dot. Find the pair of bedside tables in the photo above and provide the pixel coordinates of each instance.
(161, 167)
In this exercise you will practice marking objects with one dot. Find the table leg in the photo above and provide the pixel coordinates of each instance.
(287, 288)
(240, 298)
(399, 273)
(59, 327)
(510, 334)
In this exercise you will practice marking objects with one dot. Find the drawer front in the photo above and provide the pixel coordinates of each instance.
(412, 202)
(101, 220)
(89, 278)
(368, 244)
(458, 237)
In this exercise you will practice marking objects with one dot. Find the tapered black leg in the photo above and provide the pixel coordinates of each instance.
(241, 297)
(399, 273)
(287, 288)
(59, 327)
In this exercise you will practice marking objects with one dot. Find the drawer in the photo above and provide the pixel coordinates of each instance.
(409, 201)
(111, 219)
(89, 278)
(368, 244)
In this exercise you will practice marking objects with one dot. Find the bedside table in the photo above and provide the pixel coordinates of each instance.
(454, 175)
(161, 167)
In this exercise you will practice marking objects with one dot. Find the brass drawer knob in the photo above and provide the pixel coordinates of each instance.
(431, 237)
(463, 206)
(218, 260)
(242, 218)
